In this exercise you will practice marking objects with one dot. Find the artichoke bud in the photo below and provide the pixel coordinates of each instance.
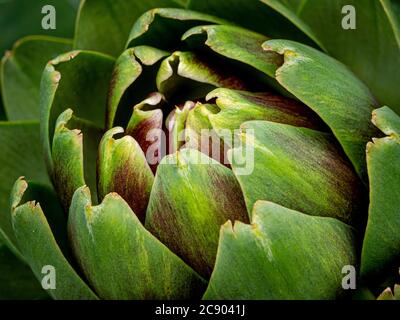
(255, 158)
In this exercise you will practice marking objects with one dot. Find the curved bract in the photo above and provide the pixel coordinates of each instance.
(204, 149)
(277, 237)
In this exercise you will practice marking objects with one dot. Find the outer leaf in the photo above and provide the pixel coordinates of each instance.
(123, 169)
(120, 258)
(24, 191)
(21, 72)
(377, 30)
(165, 26)
(37, 244)
(16, 279)
(253, 15)
(132, 81)
(20, 18)
(104, 25)
(70, 81)
(237, 44)
(325, 85)
(243, 49)
(184, 212)
(20, 156)
(381, 245)
(74, 155)
(283, 254)
(298, 168)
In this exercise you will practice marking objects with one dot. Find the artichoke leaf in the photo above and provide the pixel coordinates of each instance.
(200, 134)
(253, 15)
(240, 50)
(20, 156)
(165, 26)
(41, 250)
(132, 81)
(104, 25)
(121, 259)
(331, 90)
(187, 76)
(74, 155)
(25, 191)
(184, 211)
(146, 114)
(145, 126)
(299, 168)
(77, 80)
(283, 254)
(123, 169)
(237, 44)
(176, 126)
(237, 107)
(21, 72)
(358, 48)
(381, 247)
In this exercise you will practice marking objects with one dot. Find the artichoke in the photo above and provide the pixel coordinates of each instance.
(215, 149)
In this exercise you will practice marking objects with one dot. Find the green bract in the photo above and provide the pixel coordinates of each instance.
(203, 149)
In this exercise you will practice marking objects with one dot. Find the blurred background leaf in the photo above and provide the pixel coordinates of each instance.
(21, 73)
(16, 23)
(16, 279)
(2, 113)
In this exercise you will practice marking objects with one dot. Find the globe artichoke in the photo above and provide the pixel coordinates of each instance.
(174, 149)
